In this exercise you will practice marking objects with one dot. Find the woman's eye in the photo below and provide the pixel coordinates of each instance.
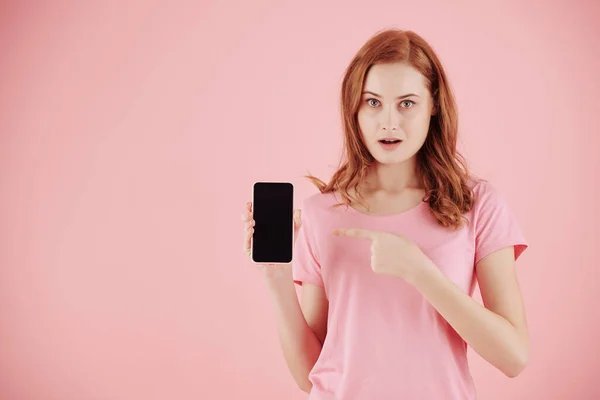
(371, 104)
(405, 104)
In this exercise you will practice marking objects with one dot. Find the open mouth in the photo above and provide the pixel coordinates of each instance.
(390, 144)
(390, 141)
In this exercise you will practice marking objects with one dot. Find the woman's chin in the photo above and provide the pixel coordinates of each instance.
(390, 159)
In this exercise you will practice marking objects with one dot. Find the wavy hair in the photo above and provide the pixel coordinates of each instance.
(442, 168)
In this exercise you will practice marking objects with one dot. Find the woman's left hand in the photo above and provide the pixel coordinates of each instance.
(391, 253)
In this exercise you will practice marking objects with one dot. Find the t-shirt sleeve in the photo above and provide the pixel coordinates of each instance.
(305, 264)
(496, 225)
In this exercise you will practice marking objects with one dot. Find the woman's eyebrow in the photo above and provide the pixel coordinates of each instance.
(399, 97)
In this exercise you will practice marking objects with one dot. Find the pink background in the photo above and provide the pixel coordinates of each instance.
(131, 133)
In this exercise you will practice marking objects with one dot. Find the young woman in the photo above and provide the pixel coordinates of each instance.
(388, 251)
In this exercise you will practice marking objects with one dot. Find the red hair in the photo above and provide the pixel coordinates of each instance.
(442, 168)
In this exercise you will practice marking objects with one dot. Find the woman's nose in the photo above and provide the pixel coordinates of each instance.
(391, 121)
(391, 124)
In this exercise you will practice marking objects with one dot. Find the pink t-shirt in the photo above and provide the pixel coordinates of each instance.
(384, 340)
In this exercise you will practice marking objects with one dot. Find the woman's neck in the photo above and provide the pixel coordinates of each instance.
(393, 178)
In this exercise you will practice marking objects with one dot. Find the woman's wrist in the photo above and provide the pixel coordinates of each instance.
(280, 278)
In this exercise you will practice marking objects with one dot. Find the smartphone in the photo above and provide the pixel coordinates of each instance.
(273, 212)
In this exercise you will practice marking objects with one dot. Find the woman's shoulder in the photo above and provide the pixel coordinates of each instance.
(486, 194)
(476, 182)
(481, 187)
(319, 201)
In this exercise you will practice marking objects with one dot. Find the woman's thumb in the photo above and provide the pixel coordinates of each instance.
(298, 218)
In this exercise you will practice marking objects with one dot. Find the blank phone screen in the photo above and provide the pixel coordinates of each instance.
(273, 211)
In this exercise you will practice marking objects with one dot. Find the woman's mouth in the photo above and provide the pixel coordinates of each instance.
(389, 143)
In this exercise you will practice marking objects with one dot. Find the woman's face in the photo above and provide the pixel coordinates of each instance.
(395, 105)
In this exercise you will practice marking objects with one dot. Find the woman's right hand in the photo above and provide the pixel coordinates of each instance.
(268, 270)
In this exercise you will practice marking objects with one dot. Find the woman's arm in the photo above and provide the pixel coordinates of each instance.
(498, 330)
(301, 328)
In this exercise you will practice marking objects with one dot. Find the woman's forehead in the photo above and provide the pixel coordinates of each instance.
(391, 80)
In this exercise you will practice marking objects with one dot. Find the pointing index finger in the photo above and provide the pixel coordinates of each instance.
(355, 232)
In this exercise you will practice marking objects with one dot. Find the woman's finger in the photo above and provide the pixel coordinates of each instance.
(249, 224)
(297, 219)
(247, 215)
(248, 241)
